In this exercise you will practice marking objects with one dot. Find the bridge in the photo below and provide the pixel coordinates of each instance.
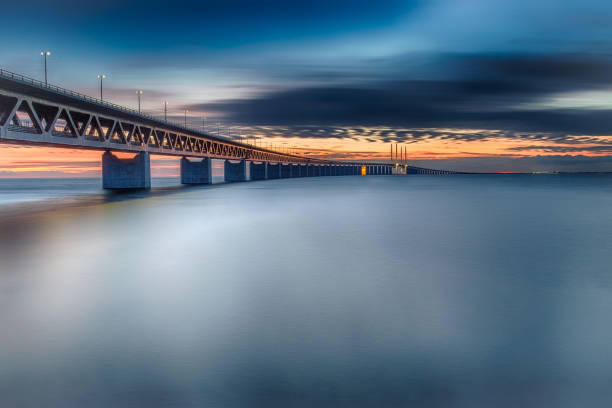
(35, 113)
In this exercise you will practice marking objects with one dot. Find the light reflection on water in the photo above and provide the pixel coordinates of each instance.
(352, 291)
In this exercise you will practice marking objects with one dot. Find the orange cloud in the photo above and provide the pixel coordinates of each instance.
(31, 161)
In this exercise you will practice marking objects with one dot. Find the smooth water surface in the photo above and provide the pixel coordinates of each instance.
(381, 291)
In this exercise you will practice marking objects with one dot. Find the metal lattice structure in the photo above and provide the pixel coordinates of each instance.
(34, 113)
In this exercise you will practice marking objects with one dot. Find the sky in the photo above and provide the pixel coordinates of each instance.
(471, 85)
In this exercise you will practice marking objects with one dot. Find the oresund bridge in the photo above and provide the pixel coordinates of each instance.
(35, 113)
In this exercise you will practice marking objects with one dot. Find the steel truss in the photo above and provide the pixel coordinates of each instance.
(27, 119)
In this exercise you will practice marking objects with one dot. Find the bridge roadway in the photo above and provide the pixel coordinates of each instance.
(32, 113)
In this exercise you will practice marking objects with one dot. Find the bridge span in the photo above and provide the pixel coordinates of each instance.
(33, 113)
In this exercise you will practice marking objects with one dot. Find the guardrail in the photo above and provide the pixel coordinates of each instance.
(86, 98)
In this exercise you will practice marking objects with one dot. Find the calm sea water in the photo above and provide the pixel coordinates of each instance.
(381, 291)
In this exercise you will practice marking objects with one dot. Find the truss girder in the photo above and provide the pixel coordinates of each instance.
(33, 120)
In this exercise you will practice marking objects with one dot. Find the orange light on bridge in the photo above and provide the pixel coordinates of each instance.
(363, 170)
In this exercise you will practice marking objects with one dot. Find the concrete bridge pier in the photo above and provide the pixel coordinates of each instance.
(235, 170)
(310, 170)
(285, 170)
(134, 173)
(196, 171)
(295, 170)
(274, 170)
(258, 171)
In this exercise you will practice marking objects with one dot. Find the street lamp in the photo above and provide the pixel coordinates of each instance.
(45, 54)
(139, 92)
(186, 117)
(204, 124)
(165, 111)
(101, 77)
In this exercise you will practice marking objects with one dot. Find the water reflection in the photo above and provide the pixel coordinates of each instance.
(354, 291)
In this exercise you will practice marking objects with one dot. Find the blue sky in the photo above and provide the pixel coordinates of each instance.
(537, 73)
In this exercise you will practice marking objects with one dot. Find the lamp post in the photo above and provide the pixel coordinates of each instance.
(101, 77)
(139, 92)
(165, 111)
(45, 54)
(186, 117)
(204, 124)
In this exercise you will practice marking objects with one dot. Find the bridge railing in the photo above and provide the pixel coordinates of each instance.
(86, 98)
(31, 81)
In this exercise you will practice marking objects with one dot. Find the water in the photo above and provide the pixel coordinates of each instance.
(425, 291)
(20, 191)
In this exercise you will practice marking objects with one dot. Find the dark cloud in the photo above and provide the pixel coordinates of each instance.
(479, 92)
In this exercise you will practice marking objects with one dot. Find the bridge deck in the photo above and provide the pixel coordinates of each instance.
(33, 113)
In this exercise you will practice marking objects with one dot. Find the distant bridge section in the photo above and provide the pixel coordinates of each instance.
(421, 170)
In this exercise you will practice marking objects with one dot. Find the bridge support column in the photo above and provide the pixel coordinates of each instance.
(274, 170)
(285, 170)
(134, 173)
(295, 170)
(196, 172)
(259, 171)
(235, 171)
